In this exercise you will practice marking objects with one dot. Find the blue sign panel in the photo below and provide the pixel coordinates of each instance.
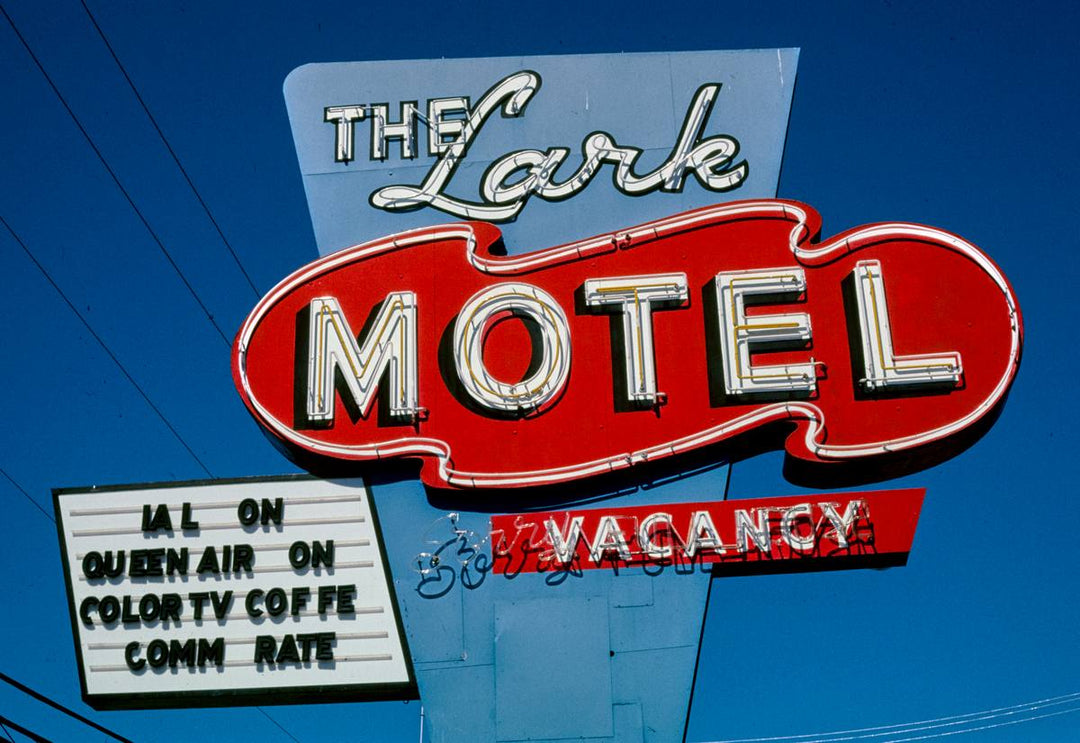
(550, 149)
(553, 149)
(605, 654)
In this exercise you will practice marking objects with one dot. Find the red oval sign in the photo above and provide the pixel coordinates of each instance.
(631, 347)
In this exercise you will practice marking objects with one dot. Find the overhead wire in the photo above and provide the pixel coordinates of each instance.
(29, 497)
(934, 724)
(6, 723)
(57, 706)
(279, 725)
(983, 727)
(104, 346)
(137, 387)
(169, 148)
(853, 734)
(161, 246)
(115, 178)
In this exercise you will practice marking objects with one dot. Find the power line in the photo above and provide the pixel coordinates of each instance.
(115, 178)
(29, 497)
(131, 379)
(45, 699)
(280, 727)
(86, 324)
(6, 723)
(104, 346)
(938, 723)
(57, 706)
(984, 727)
(140, 390)
(172, 152)
(135, 384)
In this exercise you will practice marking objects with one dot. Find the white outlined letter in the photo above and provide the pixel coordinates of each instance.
(565, 548)
(739, 333)
(789, 531)
(390, 344)
(446, 119)
(470, 330)
(383, 130)
(637, 296)
(343, 118)
(882, 368)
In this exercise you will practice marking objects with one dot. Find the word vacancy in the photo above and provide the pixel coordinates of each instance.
(765, 534)
(508, 183)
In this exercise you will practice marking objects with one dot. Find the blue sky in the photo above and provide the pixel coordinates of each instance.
(960, 116)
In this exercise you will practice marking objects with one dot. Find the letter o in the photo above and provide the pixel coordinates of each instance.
(149, 607)
(248, 511)
(109, 609)
(299, 555)
(471, 328)
(157, 653)
(276, 602)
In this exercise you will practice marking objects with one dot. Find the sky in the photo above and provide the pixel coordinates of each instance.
(959, 116)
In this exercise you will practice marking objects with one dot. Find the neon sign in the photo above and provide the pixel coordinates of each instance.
(749, 535)
(630, 347)
(507, 185)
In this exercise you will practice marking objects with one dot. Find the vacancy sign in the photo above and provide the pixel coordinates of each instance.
(755, 535)
(225, 593)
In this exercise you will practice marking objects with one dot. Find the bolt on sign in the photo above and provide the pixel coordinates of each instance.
(230, 592)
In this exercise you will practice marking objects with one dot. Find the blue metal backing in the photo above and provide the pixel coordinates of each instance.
(640, 100)
(567, 644)
(599, 655)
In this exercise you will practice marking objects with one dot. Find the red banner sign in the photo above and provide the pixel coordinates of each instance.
(626, 348)
(756, 535)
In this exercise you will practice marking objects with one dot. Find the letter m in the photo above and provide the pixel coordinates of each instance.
(388, 348)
